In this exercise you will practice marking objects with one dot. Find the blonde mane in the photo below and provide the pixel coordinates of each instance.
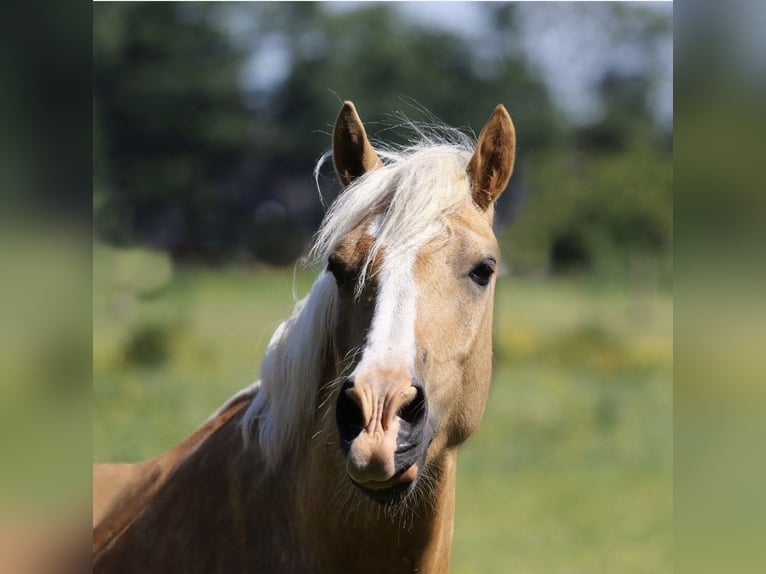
(413, 193)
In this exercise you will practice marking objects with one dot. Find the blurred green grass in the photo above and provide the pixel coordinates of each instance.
(570, 471)
(44, 370)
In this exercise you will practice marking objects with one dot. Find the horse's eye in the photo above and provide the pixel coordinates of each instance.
(482, 273)
(339, 269)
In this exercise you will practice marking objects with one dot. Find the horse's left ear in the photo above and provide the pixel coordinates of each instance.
(352, 152)
(491, 166)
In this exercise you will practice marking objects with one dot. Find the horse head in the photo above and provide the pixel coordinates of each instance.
(415, 277)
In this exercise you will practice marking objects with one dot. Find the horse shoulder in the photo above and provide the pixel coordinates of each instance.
(129, 498)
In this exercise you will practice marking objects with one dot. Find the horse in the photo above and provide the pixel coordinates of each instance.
(342, 457)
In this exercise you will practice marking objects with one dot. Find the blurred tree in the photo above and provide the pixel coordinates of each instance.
(188, 160)
(626, 117)
(170, 126)
(603, 197)
(600, 196)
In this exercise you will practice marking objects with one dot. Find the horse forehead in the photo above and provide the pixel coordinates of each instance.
(473, 222)
(468, 234)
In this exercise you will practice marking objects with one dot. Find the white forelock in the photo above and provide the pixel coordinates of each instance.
(414, 191)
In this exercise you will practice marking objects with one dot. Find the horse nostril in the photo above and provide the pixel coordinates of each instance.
(414, 411)
(348, 384)
(348, 416)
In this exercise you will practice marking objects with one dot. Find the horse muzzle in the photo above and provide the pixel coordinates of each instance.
(384, 435)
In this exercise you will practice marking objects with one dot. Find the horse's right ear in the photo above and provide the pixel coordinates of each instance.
(491, 166)
(352, 153)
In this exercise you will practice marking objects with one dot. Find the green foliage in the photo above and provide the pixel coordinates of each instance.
(170, 121)
(148, 345)
(597, 212)
(275, 237)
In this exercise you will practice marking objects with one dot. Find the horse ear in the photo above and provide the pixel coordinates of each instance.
(491, 166)
(352, 153)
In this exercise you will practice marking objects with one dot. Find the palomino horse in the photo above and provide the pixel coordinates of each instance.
(343, 457)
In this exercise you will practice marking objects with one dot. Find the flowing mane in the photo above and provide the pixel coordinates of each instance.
(419, 185)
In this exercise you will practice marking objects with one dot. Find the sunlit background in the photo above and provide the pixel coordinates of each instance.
(208, 120)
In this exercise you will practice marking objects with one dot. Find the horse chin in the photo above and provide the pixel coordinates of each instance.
(390, 496)
(394, 490)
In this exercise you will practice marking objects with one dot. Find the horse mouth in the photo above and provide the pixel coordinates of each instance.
(390, 496)
(393, 490)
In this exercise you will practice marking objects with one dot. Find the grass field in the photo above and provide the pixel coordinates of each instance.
(570, 472)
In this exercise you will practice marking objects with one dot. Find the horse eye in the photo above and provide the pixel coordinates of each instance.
(482, 273)
(338, 269)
